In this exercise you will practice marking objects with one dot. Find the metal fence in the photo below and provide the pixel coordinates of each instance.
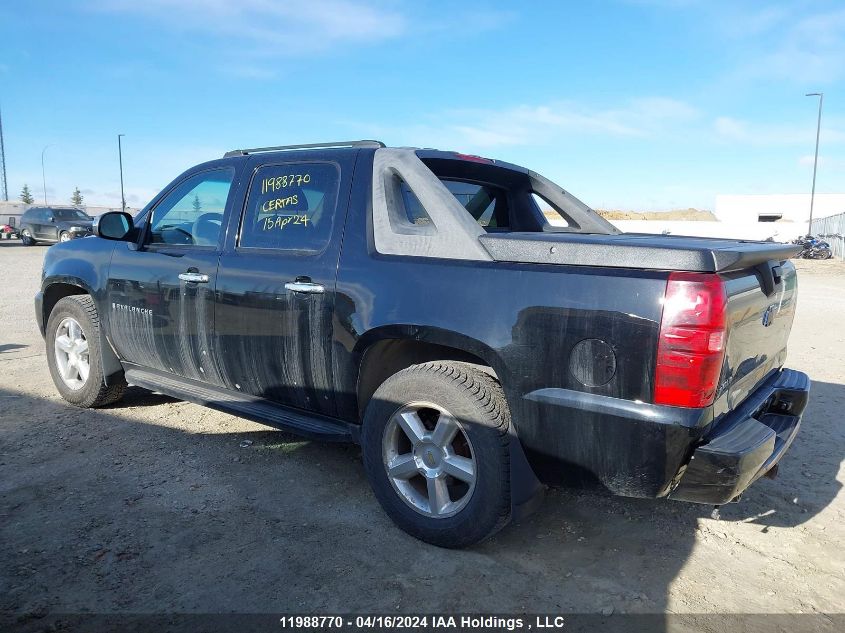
(832, 231)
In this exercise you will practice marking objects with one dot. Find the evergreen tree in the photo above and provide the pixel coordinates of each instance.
(76, 198)
(26, 195)
(197, 204)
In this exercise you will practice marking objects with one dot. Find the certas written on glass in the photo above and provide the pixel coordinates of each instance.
(290, 206)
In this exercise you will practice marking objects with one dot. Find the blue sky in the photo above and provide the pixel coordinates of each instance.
(637, 104)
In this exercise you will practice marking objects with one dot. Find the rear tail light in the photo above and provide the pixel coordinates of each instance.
(691, 344)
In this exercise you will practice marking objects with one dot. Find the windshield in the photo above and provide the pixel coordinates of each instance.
(69, 214)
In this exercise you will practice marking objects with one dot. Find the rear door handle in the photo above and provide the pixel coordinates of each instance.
(197, 278)
(305, 286)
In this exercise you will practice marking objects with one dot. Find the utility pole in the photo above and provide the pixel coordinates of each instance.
(43, 176)
(3, 161)
(820, 95)
(120, 158)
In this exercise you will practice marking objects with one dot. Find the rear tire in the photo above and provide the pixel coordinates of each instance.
(448, 486)
(75, 360)
(64, 236)
(27, 239)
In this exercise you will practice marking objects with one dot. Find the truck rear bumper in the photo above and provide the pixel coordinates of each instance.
(748, 443)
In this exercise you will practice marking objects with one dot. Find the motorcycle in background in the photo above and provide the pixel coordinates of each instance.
(8, 232)
(813, 248)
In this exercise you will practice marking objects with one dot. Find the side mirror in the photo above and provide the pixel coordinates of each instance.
(114, 225)
(52, 219)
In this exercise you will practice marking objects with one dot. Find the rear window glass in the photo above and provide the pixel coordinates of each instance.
(291, 207)
(486, 204)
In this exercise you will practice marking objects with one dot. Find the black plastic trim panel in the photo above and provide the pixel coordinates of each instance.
(634, 250)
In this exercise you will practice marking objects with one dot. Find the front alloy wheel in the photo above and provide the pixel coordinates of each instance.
(71, 349)
(74, 356)
(64, 236)
(429, 459)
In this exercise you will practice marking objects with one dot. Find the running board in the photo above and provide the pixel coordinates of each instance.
(310, 425)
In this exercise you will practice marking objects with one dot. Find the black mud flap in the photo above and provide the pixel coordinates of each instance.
(527, 493)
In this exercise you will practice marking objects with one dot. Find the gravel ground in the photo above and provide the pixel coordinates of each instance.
(156, 506)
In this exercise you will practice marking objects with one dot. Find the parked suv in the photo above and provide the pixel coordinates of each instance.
(53, 224)
(424, 304)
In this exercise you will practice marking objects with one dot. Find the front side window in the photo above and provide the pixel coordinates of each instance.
(290, 207)
(192, 214)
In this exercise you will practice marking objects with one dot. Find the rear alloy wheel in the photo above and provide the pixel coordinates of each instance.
(64, 236)
(436, 451)
(433, 471)
(26, 238)
(73, 354)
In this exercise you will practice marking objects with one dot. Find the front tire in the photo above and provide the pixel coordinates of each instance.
(64, 236)
(27, 239)
(435, 448)
(73, 354)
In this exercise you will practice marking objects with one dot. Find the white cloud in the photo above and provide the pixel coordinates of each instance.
(799, 46)
(740, 131)
(735, 22)
(542, 124)
(791, 40)
(267, 27)
(827, 164)
(249, 71)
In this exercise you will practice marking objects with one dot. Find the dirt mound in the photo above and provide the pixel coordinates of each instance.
(700, 215)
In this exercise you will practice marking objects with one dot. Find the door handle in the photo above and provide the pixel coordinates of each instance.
(192, 277)
(305, 286)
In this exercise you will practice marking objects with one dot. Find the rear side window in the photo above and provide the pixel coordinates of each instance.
(488, 205)
(290, 207)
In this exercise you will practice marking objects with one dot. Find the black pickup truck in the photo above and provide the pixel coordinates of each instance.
(475, 327)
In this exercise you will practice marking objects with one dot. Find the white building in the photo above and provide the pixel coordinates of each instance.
(781, 217)
(792, 207)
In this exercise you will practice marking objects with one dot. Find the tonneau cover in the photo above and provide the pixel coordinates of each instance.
(634, 250)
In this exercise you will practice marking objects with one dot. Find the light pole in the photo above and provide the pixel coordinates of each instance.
(43, 176)
(3, 163)
(120, 158)
(820, 95)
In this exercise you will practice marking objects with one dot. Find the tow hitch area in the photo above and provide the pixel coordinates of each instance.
(744, 448)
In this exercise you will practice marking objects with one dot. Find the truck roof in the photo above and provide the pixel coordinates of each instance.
(422, 152)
